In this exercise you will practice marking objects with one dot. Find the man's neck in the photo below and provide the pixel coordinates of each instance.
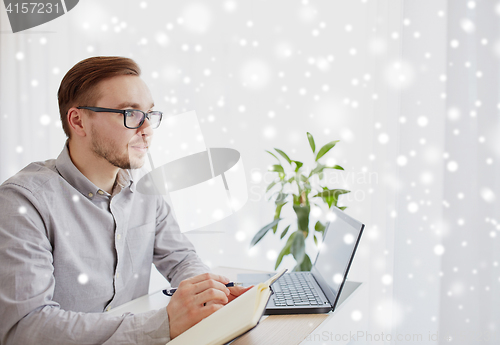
(98, 170)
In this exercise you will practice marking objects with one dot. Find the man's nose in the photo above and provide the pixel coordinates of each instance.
(146, 128)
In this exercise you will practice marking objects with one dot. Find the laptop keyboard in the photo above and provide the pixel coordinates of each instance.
(295, 290)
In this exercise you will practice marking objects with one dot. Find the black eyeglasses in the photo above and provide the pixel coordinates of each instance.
(132, 118)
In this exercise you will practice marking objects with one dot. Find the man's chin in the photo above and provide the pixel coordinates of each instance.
(137, 163)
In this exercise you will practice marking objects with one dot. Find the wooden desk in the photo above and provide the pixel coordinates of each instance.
(273, 329)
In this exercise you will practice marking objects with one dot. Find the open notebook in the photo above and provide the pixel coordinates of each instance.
(232, 320)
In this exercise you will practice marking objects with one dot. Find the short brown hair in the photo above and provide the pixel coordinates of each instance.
(78, 86)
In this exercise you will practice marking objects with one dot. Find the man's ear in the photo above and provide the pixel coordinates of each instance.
(76, 122)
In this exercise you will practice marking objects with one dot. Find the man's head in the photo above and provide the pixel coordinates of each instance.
(106, 82)
(79, 85)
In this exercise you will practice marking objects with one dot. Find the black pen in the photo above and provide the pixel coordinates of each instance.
(170, 292)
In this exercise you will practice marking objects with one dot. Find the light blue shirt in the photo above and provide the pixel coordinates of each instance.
(70, 251)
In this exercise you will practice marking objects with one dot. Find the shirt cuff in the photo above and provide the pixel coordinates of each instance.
(154, 326)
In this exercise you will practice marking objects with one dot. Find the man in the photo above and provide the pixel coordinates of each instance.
(77, 239)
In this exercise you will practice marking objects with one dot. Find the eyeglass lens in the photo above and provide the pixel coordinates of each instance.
(134, 118)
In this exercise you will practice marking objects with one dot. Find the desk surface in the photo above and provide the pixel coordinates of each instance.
(274, 329)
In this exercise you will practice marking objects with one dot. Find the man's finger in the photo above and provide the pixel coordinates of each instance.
(212, 302)
(207, 276)
(238, 290)
(207, 284)
(209, 309)
(210, 295)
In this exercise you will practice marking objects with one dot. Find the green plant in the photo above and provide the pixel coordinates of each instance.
(308, 191)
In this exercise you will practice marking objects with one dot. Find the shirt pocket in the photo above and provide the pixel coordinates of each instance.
(140, 246)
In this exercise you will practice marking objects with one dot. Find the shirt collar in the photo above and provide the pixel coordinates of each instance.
(123, 179)
(74, 177)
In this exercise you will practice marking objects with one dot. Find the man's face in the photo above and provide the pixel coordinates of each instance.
(109, 138)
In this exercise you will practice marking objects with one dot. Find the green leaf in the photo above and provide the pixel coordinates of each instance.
(315, 240)
(262, 232)
(280, 199)
(330, 200)
(284, 155)
(302, 216)
(298, 247)
(331, 196)
(332, 192)
(320, 167)
(311, 141)
(283, 234)
(317, 169)
(305, 265)
(271, 185)
(277, 213)
(277, 168)
(272, 154)
(343, 207)
(298, 165)
(285, 250)
(319, 227)
(325, 149)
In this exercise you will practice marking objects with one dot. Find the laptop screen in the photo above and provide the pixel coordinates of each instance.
(336, 253)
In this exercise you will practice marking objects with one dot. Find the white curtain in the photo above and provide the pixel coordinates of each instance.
(409, 87)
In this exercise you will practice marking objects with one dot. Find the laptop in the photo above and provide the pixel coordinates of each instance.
(319, 290)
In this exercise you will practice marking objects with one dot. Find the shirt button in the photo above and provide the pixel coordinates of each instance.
(100, 192)
(119, 236)
(91, 195)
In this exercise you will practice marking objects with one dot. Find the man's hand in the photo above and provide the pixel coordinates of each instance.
(236, 291)
(195, 299)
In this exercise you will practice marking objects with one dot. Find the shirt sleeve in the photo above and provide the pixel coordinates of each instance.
(28, 315)
(174, 255)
